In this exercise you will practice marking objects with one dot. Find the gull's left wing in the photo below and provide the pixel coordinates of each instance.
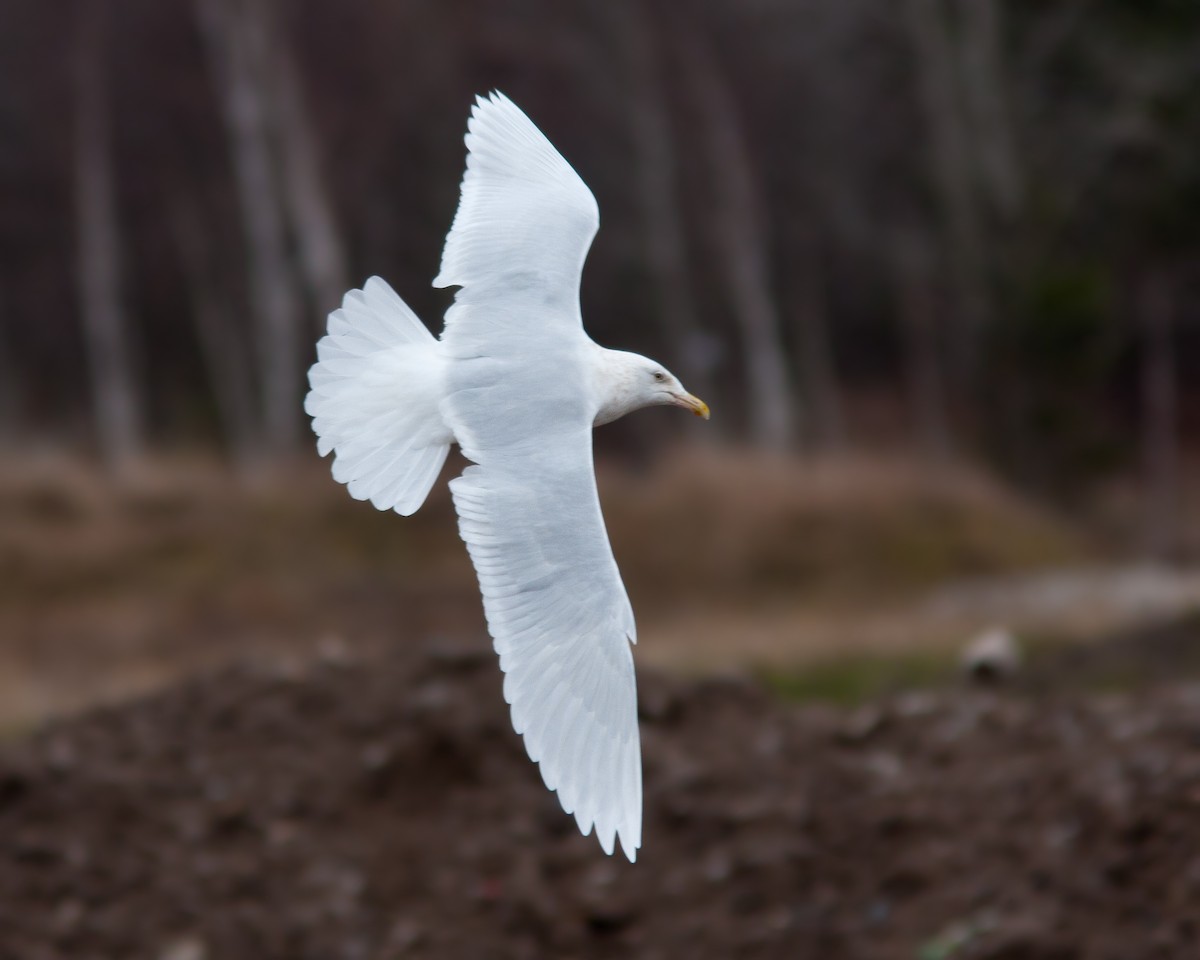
(561, 622)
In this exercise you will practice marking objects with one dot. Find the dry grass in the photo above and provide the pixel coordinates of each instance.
(753, 530)
(729, 558)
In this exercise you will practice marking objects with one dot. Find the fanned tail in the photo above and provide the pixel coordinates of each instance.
(374, 397)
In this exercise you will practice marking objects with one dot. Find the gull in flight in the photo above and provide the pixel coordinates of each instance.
(516, 382)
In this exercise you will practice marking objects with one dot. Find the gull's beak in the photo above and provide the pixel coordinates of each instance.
(688, 402)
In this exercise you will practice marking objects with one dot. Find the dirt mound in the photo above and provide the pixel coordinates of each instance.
(383, 808)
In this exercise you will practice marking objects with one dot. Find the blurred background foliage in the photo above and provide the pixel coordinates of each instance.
(976, 217)
(933, 263)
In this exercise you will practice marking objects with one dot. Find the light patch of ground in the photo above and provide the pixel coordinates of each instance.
(1063, 604)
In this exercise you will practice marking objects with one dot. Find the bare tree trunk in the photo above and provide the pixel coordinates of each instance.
(985, 89)
(741, 245)
(106, 326)
(951, 174)
(654, 166)
(9, 413)
(1160, 416)
(912, 279)
(234, 33)
(226, 360)
(318, 239)
(818, 374)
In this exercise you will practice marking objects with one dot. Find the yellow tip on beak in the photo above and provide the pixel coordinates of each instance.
(695, 404)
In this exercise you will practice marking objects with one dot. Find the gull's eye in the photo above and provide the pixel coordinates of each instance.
(659, 376)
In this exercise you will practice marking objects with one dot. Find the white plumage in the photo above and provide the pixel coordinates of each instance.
(516, 382)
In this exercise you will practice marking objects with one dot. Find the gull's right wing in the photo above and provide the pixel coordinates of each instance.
(524, 225)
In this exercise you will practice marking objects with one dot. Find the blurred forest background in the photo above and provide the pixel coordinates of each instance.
(970, 226)
(933, 263)
(953, 238)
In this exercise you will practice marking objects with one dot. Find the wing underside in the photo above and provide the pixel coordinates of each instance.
(518, 405)
(524, 223)
(562, 625)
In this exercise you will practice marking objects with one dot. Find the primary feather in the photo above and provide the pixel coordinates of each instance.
(516, 382)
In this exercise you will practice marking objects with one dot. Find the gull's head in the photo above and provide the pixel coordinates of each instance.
(630, 381)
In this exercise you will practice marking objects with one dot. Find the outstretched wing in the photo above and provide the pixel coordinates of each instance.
(517, 402)
(524, 223)
(562, 624)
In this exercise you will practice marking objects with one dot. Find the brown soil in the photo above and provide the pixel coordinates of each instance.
(381, 807)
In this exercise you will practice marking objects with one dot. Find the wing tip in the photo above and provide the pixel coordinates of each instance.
(630, 848)
(626, 836)
(493, 97)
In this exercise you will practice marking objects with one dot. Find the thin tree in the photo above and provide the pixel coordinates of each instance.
(654, 169)
(118, 417)
(322, 256)
(824, 422)
(951, 169)
(911, 271)
(236, 43)
(222, 347)
(740, 242)
(1160, 415)
(9, 407)
(986, 96)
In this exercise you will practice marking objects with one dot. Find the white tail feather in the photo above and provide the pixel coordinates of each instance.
(375, 391)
